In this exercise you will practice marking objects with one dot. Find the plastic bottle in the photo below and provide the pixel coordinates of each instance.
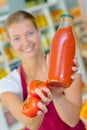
(62, 54)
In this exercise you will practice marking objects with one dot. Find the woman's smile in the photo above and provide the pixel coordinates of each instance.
(29, 48)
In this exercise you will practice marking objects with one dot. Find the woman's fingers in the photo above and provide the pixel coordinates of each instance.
(44, 99)
(49, 94)
(76, 62)
(73, 77)
(75, 69)
(39, 113)
(42, 107)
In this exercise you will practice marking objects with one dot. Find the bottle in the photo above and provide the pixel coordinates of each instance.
(62, 54)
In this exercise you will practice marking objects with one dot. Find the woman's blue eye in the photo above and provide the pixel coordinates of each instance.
(30, 33)
(16, 39)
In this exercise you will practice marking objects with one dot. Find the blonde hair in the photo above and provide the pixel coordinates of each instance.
(19, 16)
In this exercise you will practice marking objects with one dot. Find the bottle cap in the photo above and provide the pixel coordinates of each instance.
(67, 15)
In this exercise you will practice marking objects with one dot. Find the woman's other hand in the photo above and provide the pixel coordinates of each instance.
(75, 68)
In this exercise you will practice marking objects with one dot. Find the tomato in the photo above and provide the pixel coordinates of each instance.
(29, 107)
(36, 84)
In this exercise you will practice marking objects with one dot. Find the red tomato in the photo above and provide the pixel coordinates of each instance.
(29, 107)
(36, 84)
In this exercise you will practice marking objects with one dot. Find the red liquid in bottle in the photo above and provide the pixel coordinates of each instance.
(62, 53)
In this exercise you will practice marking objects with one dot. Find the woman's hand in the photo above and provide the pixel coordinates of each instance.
(75, 68)
(36, 105)
(44, 99)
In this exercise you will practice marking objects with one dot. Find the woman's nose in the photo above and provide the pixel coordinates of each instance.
(25, 41)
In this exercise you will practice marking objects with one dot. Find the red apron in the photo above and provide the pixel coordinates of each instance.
(51, 120)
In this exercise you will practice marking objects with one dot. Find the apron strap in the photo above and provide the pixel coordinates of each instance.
(24, 85)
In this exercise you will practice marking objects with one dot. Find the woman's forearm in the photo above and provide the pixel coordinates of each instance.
(31, 123)
(35, 123)
(67, 111)
(68, 106)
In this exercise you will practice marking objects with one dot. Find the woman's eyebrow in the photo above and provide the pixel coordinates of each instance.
(30, 29)
(15, 35)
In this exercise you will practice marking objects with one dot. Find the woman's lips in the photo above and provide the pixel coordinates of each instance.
(29, 49)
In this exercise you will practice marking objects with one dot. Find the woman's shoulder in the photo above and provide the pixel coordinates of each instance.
(11, 83)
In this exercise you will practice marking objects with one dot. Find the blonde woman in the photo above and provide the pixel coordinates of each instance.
(57, 112)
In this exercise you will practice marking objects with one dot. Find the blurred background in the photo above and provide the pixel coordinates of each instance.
(47, 15)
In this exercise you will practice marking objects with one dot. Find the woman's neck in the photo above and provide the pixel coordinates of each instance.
(34, 67)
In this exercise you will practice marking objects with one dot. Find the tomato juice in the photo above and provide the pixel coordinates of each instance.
(61, 57)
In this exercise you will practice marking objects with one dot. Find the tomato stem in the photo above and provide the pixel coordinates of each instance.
(38, 82)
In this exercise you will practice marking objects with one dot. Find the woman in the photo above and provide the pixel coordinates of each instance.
(58, 110)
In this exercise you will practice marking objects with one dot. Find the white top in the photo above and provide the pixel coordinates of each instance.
(12, 83)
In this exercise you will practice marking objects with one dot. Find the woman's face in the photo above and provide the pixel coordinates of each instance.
(25, 39)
